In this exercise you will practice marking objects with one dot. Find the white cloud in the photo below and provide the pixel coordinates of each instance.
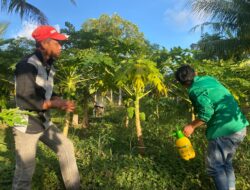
(182, 17)
(28, 28)
(57, 27)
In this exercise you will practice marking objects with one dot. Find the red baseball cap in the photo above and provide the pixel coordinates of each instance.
(44, 32)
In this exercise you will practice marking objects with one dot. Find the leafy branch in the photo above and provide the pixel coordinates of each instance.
(14, 116)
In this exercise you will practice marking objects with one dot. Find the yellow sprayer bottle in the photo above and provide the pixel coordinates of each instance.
(184, 146)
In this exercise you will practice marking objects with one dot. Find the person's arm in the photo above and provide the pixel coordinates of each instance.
(204, 109)
(27, 93)
(59, 103)
(189, 128)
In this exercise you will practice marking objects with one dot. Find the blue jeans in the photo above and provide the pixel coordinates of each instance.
(219, 158)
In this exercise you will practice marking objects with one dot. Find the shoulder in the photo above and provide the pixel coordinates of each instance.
(206, 77)
(210, 78)
(24, 66)
(198, 87)
(204, 81)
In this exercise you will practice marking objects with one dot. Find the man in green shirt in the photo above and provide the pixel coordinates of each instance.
(226, 125)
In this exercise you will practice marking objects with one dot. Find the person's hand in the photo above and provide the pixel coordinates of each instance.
(55, 98)
(66, 105)
(188, 130)
(69, 106)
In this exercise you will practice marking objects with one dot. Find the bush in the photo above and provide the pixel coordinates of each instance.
(107, 158)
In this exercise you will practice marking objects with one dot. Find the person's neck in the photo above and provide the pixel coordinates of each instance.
(44, 55)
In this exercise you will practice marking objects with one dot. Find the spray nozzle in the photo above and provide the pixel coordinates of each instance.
(178, 134)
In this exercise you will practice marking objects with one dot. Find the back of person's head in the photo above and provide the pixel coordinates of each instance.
(185, 75)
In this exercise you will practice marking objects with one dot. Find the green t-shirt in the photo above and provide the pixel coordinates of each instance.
(216, 106)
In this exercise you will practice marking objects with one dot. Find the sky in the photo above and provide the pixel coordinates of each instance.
(164, 22)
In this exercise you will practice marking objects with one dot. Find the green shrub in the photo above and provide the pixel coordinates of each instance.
(107, 158)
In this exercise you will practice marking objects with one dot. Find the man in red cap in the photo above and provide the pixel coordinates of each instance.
(34, 93)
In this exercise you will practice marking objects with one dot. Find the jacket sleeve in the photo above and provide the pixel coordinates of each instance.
(27, 96)
(202, 106)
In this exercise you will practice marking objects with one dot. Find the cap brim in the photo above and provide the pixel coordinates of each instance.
(58, 36)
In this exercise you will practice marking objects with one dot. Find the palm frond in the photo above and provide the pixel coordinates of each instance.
(219, 27)
(217, 9)
(27, 10)
(228, 46)
(3, 27)
(4, 4)
(229, 18)
(73, 2)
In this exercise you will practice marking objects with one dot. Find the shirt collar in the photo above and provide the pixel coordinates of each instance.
(196, 78)
(39, 55)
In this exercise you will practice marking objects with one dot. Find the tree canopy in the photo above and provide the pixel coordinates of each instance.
(230, 20)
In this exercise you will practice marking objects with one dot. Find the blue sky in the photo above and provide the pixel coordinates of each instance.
(165, 22)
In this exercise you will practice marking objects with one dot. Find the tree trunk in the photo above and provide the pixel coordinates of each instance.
(192, 113)
(95, 97)
(67, 123)
(111, 97)
(126, 121)
(120, 97)
(157, 111)
(141, 147)
(85, 119)
(75, 120)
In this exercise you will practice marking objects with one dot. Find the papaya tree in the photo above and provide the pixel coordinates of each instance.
(110, 35)
(138, 77)
(69, 78)
(81, 73)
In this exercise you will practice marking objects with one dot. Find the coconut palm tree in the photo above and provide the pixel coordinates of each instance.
(25, 10)
(229, 18)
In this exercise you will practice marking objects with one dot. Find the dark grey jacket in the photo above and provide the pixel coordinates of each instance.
(34, 85)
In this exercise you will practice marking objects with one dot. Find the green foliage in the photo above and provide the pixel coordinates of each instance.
(3, 27)
(231, 20)
(12, 52)
(139, 76)
(206, 49)
(131, 112)
(83, 72)
(13, 117)
(107, 53)
(115, 36)
(142, 116)
(107, 158)
(165, 109)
